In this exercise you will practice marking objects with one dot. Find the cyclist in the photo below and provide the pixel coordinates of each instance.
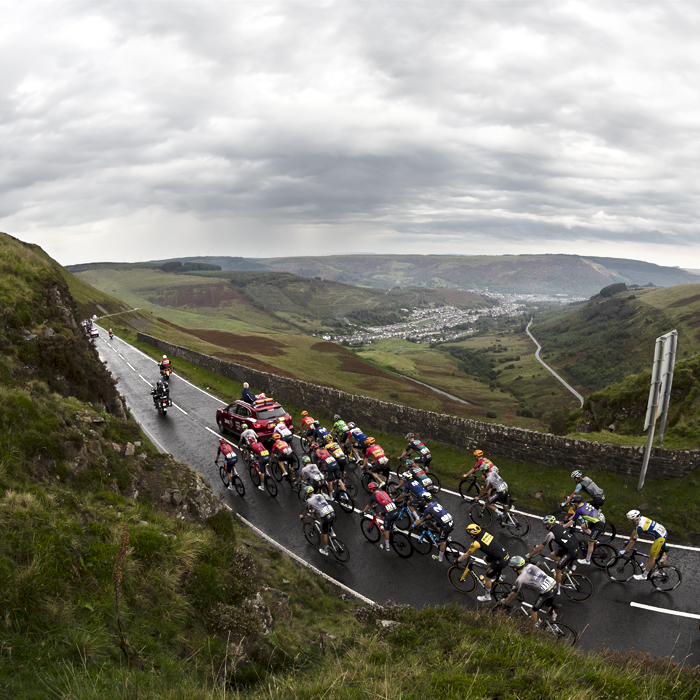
(261, 456)
(337, 451)
(231, 458)
(380, 500)
(422, 453)
(375, 461)
(356, 436)
(416, 471)
(284, 432)
(647, 526)
(320, 433)
(592, 523)
(281, 453)
(307, 424)
(434, 511)
(340, 429)
(324, 458)
(482, 464)
(311, 474)
(496, 491)
(584, 483)
(322, 511)
(567, 546)
(412, 492)
(533, 577)
(495, 555)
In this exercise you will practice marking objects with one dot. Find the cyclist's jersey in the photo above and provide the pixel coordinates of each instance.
(358, 436)
(533, 577)
(588, 514)
(383, 500)
(419, 448)
(421, 476)
(227, 451)
(284, 431)
(650, 527)
(320, 434)
(324, 457)
(312, 473)
(249, 436)
(336, 450)
(590, 488)
(340, 426)
(307, 422)
(320, 505)
(562, 536)
(376, 453)
(483, 464)
(280, 447)
(496, 483)
(259, 450)
(165, 363)
(489, 546)
(441, 516)
(415, 488)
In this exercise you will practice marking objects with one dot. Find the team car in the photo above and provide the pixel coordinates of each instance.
(262, 416)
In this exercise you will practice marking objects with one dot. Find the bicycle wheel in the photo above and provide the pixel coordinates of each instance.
(561, 632)
(254, 475)
(392, 490)
(576, 587)
(454, 551)
(480, 514)
(666, 578)
(350, 484)
(437, 484)
(305, 445)
(344, 500)
(403, 522)
(518, 526)
(608, 535)
(468, 489)
(271, 486)
(313, 537)
(366, 479)
(223, 475)
(464, 583)
(603, 554)
(500, 590)
(238, 485)
(276, 470)
(339, 550)
(401, 544)
(370, 529)
(621, 569)
(422, 543)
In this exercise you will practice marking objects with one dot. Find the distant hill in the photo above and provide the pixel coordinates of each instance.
(574, 275)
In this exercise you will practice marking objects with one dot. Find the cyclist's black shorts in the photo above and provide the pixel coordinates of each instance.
(390, 518)
(332, 472)
(598, 501)
(445, 531)
(325, 522)
(424, 460)
(318, 485)
(495, 567)
(544, 600)
(499, 497)
(596, 531)
(231, 463)
(567, 556)
(383, 469)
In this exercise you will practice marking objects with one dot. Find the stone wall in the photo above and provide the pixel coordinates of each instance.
(496, 440)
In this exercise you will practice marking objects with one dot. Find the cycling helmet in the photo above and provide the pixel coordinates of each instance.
(370, 441)
(578, 498)
(407, 476)
(221, 441)
(308, 491)
(306, 459)
(408, 462)
(372, 486)
(314, 446)
(317, 423)
(478, 453)
(517, 562)
(351, 425)
(548, 520)
(427, 496)
(473, 529)
(328, 438)
(576, 474)
(409, 436)
(336, 417)
(633, 515)
(304, 413)
(276, 436)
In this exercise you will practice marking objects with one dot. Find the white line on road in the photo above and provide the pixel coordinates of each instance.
(679, 613)
(180, 409)
(146, 380)
(134, 368)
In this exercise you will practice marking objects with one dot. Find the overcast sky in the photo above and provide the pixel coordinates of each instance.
(138, 130)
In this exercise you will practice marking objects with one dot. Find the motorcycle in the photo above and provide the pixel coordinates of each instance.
(166, 372)
(111, 335)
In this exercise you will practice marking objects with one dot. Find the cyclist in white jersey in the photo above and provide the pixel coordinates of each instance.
(322, 511)
(248, 436)
(496, 491)
(532, 576)
(311, 474)
(284, 432)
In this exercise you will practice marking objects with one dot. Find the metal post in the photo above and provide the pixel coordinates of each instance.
(647, 451)
(673, 340)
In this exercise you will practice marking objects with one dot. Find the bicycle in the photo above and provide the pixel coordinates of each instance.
(427, 539)
(256, 474)
(575, 587)
(602, 555)
(434, 487)
(372, 526)
(464, 580)
(366, 479)
(664, 577)
(235, 479)
(558, 630)
(607, 536)
(482, 516)
(312, 532)
(291, 462)
(342, 498)
(469, 488)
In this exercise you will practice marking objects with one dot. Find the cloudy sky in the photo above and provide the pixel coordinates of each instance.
(132, 130)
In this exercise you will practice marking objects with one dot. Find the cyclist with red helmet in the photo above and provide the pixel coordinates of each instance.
(375, 461)
(422, 453)
(380, 500)
(231, 458)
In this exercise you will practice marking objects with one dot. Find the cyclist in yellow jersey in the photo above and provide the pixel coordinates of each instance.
(652, 529)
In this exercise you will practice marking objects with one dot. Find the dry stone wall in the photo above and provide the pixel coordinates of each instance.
(496, 440)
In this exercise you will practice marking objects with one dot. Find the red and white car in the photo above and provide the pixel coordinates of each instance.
(262, 416)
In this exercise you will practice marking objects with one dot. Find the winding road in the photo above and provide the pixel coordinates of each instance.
(622, 616)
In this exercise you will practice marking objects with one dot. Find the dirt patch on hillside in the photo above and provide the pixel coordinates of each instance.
(206, 296)
(352, 364)
(325, 346)
(224, 339)
(253, 363)
(684, 302)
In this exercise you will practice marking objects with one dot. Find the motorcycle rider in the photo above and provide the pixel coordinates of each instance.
(164, 364)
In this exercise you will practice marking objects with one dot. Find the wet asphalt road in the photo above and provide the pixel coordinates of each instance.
(189, 433)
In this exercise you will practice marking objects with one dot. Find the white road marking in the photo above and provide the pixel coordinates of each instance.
(134, 368)
(146, 380)
(679, 613)
(151, 437)
(180, 409)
